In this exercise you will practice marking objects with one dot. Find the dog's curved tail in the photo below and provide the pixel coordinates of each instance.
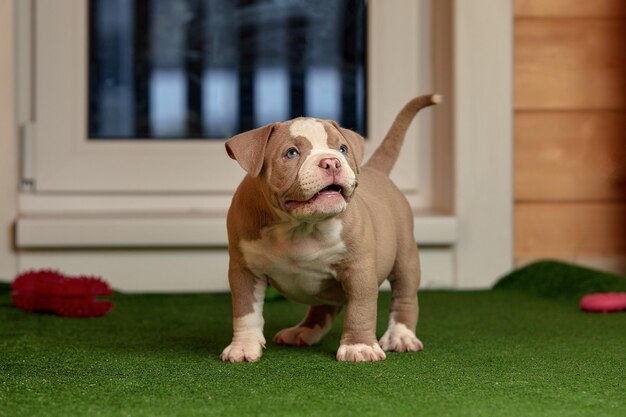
(385, 156)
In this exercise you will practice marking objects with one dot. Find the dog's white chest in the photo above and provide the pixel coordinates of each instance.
(299, 260)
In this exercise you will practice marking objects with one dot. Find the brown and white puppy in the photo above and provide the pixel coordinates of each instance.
(299, 222)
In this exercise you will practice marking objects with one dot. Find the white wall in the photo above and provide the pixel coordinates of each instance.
(483, 139)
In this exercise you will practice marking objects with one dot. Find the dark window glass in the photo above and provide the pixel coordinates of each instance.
(184, 69)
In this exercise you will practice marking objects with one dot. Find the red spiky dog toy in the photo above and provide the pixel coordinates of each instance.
(52, 292)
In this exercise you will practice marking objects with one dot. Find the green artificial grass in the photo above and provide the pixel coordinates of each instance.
(503, 352)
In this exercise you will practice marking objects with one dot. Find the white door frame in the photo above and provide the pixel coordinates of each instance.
(483, 139)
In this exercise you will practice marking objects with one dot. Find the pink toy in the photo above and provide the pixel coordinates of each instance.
(52, 292)
(604, 302)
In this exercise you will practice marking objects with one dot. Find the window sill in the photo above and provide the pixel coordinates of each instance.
(97, 231)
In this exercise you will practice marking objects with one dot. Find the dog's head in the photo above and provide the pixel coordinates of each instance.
(308, 167)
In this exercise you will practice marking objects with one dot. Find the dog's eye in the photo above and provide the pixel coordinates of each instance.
(343, 149)
(292, 153)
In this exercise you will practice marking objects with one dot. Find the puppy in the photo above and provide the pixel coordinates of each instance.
(299, 222)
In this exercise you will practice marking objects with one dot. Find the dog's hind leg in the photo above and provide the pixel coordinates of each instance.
(316, 324)
(404, 309)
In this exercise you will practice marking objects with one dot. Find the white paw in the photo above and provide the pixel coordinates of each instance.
(299, 336)
(244, 350)
(400, 338)
(360, 352)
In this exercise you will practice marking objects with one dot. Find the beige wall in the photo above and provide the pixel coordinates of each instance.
(570, 119)
(8, 148)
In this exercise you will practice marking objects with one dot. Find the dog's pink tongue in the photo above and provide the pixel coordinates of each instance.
(330, 190)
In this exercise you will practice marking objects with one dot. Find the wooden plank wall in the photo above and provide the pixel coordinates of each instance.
(570, 131)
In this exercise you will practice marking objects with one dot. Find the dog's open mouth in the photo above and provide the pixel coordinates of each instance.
(331, 189)
(331, 193)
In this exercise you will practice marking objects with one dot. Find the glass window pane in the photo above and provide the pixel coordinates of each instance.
(196, 69)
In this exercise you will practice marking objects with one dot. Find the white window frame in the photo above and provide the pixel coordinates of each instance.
(472, 198)
(65, 161)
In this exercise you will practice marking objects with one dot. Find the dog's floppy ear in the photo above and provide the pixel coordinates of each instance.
(248, 148)
(356, 141)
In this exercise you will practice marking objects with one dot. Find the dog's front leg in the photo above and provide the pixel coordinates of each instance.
(358, 341)
(248, 294)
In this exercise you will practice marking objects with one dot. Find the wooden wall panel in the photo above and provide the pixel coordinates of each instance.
(570, 130)
(570, 8)
(569, 230)
(570, 156)
(570, 64)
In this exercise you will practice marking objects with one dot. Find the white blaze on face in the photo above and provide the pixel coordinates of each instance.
(313, 131)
